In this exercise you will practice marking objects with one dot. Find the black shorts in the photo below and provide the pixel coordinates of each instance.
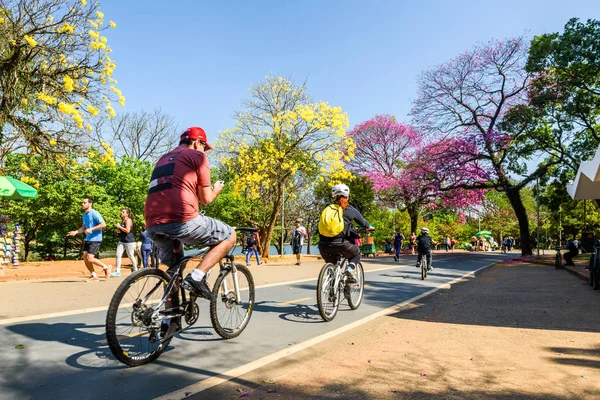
(296, 249)
(331, 252)
(92, 247)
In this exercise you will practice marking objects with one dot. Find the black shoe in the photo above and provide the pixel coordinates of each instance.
(200, 288)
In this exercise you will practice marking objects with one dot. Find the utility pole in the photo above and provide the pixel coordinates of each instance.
(537, 200)
(559, 226)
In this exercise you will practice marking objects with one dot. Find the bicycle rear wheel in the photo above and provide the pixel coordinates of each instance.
(133, 322)
(423, 268)
(356, 290)
(230, 315)
(327, 293)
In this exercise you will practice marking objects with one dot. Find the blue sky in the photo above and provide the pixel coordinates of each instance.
(197, 59)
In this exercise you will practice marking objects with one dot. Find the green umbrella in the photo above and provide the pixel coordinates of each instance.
(14, 189)
(486, 234)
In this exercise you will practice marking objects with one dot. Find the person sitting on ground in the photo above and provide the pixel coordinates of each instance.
(335, 238)
(573, 251)
(424, 246)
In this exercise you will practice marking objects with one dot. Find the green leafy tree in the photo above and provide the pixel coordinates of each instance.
(565, 93)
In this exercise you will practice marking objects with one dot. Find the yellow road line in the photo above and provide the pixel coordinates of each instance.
(120, 337)
(295, 301)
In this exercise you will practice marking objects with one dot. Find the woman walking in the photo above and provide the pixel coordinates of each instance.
(413, 243)
(146, 247)
(126, 240)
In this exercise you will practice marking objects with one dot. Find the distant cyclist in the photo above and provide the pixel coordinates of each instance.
(181, 179)
(335, 234)
(424, 246)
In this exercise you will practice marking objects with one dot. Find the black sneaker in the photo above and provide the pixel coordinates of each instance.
(200, 289)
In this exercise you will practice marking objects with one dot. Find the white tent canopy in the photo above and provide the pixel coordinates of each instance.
(587, 181)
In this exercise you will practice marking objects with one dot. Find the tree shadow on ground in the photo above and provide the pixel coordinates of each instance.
(269, 389)
(504, 297)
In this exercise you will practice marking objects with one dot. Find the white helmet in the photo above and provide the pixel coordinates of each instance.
(424, 230)
(340, 190)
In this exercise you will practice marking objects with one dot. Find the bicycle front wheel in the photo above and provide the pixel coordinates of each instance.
(229, 313)
(327, 293)
(133, 321)
(356, 290)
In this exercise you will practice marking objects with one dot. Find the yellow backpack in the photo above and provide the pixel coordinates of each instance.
(331, 222)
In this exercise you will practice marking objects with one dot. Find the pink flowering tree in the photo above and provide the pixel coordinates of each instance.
(396, 160)
(473, 102)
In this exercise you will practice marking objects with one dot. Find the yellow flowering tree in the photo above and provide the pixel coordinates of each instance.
(283, 141)
(55, 74)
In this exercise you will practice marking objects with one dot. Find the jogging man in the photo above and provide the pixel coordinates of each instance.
(93, 223)
(181, 179)
(342, 244)
(424, 247)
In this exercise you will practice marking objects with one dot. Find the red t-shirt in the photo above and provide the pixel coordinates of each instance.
(173, 196)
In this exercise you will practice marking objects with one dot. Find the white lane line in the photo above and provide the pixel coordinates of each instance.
(261, 362)
(16, 320)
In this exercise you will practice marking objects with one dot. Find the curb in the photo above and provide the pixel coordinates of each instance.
(577, 273)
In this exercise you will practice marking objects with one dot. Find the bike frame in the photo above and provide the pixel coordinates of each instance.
(178, 276)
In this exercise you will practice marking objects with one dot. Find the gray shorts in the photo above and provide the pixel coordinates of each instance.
(200, 231)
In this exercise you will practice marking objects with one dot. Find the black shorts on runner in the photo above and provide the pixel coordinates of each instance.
(91, 247)
(297, 249)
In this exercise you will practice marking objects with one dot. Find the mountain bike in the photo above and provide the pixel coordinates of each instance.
(150, 307)
(423, 266)
(333, 285)
(558, 264)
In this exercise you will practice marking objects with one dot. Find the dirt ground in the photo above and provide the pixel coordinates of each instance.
(517, 331)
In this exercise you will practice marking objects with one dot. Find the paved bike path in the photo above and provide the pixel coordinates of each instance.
(68, 356)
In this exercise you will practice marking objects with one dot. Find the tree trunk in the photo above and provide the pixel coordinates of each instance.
(413, 213)
(271, 223)
(65, 246)
(514, 196)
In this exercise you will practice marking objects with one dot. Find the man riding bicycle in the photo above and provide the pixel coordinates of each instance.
(424, 246)
(342, 244)
(181, 179)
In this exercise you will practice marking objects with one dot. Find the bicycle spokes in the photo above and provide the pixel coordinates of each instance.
(138, 320)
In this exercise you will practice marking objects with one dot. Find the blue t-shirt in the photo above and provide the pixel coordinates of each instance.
(91, 219)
